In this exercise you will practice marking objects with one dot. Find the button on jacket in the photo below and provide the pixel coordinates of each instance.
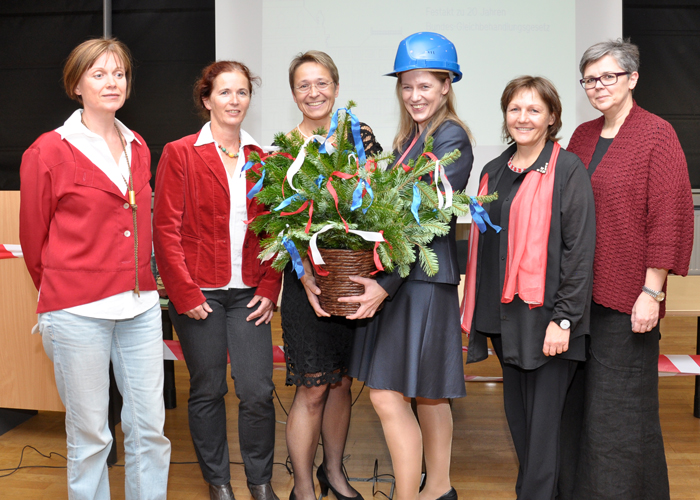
(73, 227)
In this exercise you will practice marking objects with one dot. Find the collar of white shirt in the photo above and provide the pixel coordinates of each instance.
(206, 137)
(95, 149)
(74, 126)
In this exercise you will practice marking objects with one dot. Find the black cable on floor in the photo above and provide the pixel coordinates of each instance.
(21, 458)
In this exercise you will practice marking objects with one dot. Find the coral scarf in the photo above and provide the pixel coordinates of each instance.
(469, 299)
(528, 235)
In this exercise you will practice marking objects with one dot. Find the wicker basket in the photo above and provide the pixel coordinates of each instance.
(340, 264)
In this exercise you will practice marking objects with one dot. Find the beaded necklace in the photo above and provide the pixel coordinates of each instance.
(513, 167)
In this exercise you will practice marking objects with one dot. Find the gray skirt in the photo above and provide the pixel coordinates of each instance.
(414, 344)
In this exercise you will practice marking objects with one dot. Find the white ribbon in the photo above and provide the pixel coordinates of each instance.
(299, 161)
(439, 169)
(365, 235)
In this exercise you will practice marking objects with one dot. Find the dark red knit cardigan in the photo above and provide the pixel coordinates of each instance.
(644, 206)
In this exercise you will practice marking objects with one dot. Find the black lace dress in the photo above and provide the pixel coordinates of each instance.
(317, 350)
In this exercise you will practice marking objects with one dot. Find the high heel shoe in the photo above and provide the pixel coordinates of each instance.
(326, 484)
(450, 495)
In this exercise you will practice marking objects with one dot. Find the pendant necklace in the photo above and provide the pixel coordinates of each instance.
(132, 201)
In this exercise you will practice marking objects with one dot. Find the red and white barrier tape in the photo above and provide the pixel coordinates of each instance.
(10, 251)
(172, 351)
(669, 365)
(679, 364)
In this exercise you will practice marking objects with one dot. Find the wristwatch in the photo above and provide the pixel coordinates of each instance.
(564, 324)
(658, 296)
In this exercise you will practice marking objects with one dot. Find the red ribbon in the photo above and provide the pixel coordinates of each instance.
(298, 210)
(319, 270)
(253, 218)
(334, 194)
(377, 260)
(311, 213)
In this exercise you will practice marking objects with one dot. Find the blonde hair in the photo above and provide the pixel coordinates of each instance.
(83, 57)
(446, 112)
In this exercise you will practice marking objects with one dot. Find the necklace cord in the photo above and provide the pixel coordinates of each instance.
(132, 203)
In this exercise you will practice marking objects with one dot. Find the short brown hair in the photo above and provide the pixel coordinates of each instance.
(547, 92)
(83, 57)
(205, 84)
(314, 56)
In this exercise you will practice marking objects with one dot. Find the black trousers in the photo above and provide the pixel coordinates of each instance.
(204, 344)
(533, 402)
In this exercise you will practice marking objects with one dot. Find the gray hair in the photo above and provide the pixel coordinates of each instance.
(625, 53)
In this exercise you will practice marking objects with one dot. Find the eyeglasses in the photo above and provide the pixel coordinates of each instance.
(607, 79)
(305, 88)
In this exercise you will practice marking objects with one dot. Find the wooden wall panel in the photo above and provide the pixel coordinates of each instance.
(26, 373)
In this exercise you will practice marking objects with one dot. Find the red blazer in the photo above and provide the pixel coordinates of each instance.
(191, 226)
(76, 226)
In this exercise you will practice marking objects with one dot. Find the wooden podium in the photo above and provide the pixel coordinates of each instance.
(26, 373)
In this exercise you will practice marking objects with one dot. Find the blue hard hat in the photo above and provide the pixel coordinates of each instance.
(426, 50)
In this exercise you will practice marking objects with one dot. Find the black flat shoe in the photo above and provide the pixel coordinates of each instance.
(450, 495)
(326, 484)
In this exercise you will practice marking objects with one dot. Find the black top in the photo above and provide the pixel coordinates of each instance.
(569, 276)
(601, 148)
(486, 319)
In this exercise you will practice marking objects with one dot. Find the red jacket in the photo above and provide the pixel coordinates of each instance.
(76, 226)
(191, 226)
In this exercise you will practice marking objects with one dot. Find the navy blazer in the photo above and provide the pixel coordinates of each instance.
(448, 137)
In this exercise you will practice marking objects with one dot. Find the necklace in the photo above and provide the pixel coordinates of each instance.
(513, 167)
(132, 201)
(302, 133)
(307, 136)
(229, 154)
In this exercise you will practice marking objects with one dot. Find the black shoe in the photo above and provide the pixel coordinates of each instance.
(262, 491)
(326, 484)
(450, 495)
(221, 492)
(292, 496)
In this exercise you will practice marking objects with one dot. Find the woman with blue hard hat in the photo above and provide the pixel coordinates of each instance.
(413, 348)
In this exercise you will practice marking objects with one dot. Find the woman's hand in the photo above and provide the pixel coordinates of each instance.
(369, 301)
(556, 340)
(199, 312)
(312, 292)
(645, 313)
(263, 312)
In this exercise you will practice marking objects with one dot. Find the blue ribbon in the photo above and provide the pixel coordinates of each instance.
(481, 217)
(294, 255)
(258, 186)
(319, 181)
(248, 165)
(356, 134)
(415, 205)
(288, 201)
(357, 195)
